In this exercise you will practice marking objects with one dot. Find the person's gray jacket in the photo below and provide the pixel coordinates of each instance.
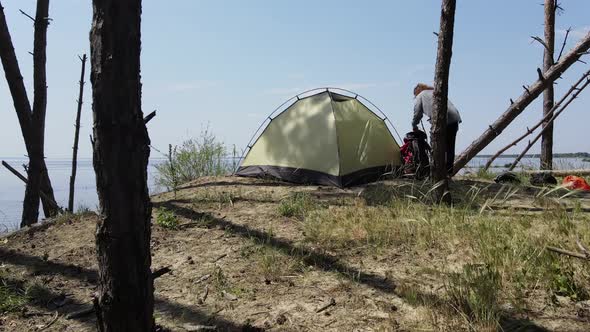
(423, 105)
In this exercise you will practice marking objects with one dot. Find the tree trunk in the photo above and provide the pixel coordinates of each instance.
(120, 158)
(548, 97)
(518, 106)
(36, 156)
(22, 107)
(76, 136)
(438, 169)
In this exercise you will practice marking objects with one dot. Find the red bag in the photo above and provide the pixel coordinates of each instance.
(575, 183)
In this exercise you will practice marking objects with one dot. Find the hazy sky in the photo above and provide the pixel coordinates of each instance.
(227, 64)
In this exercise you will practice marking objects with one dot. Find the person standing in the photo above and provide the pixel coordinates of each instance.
(423, 104)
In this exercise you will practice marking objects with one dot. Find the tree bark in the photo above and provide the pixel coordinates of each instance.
(36, 156)
(518, 106)
(120, 158)
(77, 136)
(548, 94)
(22, 106)
(438, 169)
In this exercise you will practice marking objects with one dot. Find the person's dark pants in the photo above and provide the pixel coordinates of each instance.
(451, 138)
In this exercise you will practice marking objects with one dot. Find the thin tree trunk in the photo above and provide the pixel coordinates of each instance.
(36, 157)
(545, 118)
(77, 136)
(22, 106)
(438, 169)
(551, 120)
(548, 94)
(120, 158)
(518, 106)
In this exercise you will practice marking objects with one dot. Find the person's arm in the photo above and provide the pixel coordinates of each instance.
(418, 113)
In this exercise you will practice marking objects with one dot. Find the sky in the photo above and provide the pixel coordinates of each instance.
(225, 65)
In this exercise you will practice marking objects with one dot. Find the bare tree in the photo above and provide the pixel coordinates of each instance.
(438, 170)
(21, 102)
(121, 151)
(518, 106)
(77, 136)
(548, 94)
(36, 154)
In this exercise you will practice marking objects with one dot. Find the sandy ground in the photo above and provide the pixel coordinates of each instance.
(217, 279)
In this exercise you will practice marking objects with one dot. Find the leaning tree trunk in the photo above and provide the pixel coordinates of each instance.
(121, 150)
(518, 106)
(438, 168)
(36, 169)
(548, 97)
(23, 108)
(77, 136)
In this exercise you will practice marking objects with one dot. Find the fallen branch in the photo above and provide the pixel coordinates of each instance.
(553, 117)
(568, 253)
(567, 33)
(519, 105)
(538, 124)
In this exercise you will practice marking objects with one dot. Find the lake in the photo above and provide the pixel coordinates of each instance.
(12, 189)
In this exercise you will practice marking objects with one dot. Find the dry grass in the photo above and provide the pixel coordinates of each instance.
(504, 255)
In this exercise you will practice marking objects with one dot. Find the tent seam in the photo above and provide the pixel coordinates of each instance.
(337, 139)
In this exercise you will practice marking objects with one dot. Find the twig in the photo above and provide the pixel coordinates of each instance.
(50, 323)
(219, 258)
(149, 117)
(205, 294)
(568, 253)
(160, 272)
(331, 304)
(203, 278)
(582, 248)
(27, 15)
(542, 42)
(567, 32)
(540, 73)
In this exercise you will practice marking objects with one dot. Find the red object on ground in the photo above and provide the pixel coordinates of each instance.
(575, 183)
(406, 152)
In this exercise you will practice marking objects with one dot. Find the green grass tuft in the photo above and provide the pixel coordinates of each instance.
(166, 219)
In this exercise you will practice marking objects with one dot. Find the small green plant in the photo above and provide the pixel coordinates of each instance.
(473, 293)
(166, 219)
(194, 158)
(485, 174)
(83, 209)
(13, 295)
(563, 283)
(296, 205)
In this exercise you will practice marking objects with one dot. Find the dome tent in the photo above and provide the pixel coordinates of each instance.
(325, 138)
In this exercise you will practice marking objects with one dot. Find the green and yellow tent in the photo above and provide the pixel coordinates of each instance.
(325, 138)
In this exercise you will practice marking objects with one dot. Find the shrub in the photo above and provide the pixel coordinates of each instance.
(166, 219)
(194, 158)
